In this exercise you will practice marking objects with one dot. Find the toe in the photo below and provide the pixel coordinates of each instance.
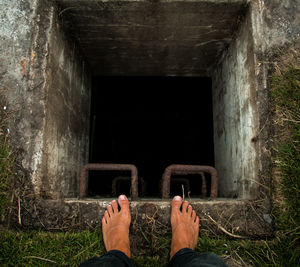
(185, 204)
(197, 220)
(193, 216)
(114, 205)
(109, 210)
(190, 210)
(176, 203)
(106, 216)
(123, 202)
(103, 221)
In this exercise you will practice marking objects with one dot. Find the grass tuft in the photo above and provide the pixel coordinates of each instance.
(32, 248)
(286, 102)
(286, 201)
(6, 162)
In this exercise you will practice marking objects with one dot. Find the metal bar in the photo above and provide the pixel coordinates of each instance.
(188, 169)
(203, 187)
(108, 167)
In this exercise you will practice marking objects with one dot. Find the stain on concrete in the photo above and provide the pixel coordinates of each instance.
(235, 116)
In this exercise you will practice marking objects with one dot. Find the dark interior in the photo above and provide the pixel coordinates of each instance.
(150, 122)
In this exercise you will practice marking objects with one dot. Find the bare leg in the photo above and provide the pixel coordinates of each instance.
(185, 226)
(115, 226)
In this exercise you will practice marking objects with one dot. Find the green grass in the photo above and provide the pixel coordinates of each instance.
(286, 102)
(33, 248)
(286, 201)
(255, 252)
(6, 166)
(3, 175)
(44, 248)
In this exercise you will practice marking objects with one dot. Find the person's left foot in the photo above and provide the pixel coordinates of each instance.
(115, 226)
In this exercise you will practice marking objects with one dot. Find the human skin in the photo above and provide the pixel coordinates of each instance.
(115, 226)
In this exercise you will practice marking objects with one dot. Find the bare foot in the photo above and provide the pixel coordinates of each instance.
(115, 226)
(185, 226)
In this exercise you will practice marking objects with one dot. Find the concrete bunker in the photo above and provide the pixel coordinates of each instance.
(55, 51)
(193, 64)
(149, 104)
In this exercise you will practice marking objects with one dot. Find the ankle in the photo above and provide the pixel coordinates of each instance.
(177, 247)
(125, 248)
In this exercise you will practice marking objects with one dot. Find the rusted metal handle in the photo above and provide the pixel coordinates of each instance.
(108, 167)
(188, 169)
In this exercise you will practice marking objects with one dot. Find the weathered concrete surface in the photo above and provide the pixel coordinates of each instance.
(151, 218)
(47, 89)
(17, 21)
(66, 130)
(242, 123)
(276, 30)
(275, 24)
(235, 117)
(152, 37)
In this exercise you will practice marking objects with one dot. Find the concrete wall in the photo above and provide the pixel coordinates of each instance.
(242, 123)
(275, 24)
(276, 30)
(18, 84)
(234, 112)
(66, 130)
(47, 89)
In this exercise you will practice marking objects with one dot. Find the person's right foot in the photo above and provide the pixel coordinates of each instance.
(185, 226)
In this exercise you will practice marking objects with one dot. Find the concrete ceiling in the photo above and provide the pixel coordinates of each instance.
(168, 37)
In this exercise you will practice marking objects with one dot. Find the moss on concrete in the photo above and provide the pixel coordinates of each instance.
(6, 161)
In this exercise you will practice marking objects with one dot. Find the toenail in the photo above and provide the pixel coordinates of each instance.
(177, 198)
(122, 197)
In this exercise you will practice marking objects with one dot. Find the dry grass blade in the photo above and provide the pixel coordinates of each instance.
(223, 229)
(86, 249)
(19, 211)
(39, 258)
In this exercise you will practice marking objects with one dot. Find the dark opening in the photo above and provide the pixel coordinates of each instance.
(151, 122)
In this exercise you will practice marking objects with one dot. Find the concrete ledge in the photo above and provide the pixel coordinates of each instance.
(150, 230)
(237, 217)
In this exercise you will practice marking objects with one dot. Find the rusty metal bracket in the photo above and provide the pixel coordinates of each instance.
(108, 167)
(188, 169)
